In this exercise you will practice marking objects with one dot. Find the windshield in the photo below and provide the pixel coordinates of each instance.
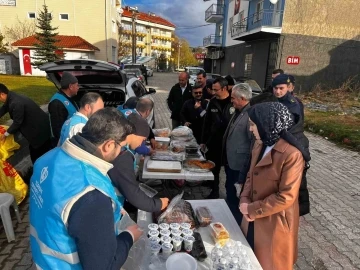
(94, 77)
(194, 71)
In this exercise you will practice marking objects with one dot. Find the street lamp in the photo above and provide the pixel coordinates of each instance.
(178, 65)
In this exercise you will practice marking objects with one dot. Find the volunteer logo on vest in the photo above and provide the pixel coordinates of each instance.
(66, 103)
(44, 174)
(232, 110)
(128, 112)
(214, 110)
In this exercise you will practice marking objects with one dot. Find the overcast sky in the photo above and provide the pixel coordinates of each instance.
(181, 13)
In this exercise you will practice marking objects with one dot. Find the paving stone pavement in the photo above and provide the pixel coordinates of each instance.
(329, 237)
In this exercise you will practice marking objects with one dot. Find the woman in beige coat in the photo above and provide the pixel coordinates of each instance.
(269, 201)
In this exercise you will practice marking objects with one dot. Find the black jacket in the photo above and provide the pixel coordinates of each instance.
(194, 116)
(124, 179)
(176, 100)
(215, 124)
(58, 115)
(28, 118)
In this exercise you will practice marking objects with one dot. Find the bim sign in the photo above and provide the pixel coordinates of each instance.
(293, 60)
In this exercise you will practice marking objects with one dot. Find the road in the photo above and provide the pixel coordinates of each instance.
(329, 237)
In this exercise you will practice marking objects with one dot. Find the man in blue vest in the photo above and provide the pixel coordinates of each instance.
(62, 106)
(90, 103)
(74, 210)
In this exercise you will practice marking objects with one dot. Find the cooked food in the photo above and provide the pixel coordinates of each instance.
(201, 164)
(204, 216)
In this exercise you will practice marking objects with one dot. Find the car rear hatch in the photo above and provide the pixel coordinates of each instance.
(93, 76)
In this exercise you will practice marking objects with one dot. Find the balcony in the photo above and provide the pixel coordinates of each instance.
(262, 24)
(212, 41)
(214, 14)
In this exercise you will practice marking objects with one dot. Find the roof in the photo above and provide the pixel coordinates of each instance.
(148, 18)
(65, 42)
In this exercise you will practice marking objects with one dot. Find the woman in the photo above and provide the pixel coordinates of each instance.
(269, 200)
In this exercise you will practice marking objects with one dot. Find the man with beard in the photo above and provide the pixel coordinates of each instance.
(193, 112)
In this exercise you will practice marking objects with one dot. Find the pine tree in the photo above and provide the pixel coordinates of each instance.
(3, 48)
(45, 47)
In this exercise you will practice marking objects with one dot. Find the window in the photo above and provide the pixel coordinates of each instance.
(138, 88)
(141, 39)
(230, 24)
(259, 11)
(31, 15)
(63, 17)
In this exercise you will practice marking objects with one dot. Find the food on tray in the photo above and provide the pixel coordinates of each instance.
(181, 131)
(181, 213)
(219, 233)
(201, 164)
(204, 216)
(162, 132)
(162, 143)
(167, 156)
(180, 146)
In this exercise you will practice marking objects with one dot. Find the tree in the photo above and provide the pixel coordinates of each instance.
(124, 44)
(20, 30)
(187, 57)
(46, 50)
(3, 45)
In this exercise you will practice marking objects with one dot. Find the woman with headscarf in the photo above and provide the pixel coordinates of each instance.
(269, 201)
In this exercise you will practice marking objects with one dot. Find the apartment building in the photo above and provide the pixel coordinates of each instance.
(96, 22)
(317, 41)
(154, 34)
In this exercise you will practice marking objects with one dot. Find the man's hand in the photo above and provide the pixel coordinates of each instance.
(197, 104)
(164, 203)
(136, 231)
(152, 143)
(238, 189)
(152, 151)
(123, 211)
(187, 124)
(203, 147)
(244, 208)
(248, 218)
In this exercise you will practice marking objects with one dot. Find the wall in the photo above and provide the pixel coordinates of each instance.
(327, 61)
(86, 19)
(235, 18)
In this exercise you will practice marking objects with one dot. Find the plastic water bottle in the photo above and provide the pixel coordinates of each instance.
(233, 263)
(245, 264)
(222, 265)
(213, 255)
(219, 256)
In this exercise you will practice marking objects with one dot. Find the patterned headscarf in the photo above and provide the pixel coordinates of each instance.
(271, 119)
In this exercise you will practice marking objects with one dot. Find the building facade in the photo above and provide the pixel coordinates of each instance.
(97, 22)
(154, 35)
(317, 41)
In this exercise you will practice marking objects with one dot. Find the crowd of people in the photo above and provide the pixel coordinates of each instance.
(89, 151)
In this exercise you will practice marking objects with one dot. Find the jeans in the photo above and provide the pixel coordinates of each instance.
(232, 200)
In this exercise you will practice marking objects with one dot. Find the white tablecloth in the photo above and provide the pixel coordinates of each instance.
(221, 213)
(184, 174)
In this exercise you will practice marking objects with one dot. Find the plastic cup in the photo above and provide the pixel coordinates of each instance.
(165, 239)
(175, 226)
(167, 249)
(185, 226)
(177, 242)
(165, 233)
(153, 233)
(164, 226)
(176, 233)
(153, 226)
(187, 232)
(155, 248)
(154, 240)
(188, 243)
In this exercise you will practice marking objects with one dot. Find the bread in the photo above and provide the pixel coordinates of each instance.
(201, 164)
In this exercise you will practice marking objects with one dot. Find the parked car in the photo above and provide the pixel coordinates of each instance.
(150, 71)
(101, 77)
(192, 73)
(212, 76)
(134, 73)
(132, 66)
(256, 89)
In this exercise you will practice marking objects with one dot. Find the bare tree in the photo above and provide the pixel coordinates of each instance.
(19, 30)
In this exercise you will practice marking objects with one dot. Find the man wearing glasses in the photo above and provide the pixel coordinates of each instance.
(193, 111)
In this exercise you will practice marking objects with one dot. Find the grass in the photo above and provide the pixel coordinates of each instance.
(341, 129)
(38, 89)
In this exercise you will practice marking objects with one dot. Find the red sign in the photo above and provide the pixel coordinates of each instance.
(27, 62)
(199, 56)
(293, 60)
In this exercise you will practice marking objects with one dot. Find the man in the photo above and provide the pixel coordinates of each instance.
(201, 79)
(74, 210)
(29, 119)
(218, 114)
(275, 73)
(236, 146)
(193, 112)
(62, 106)
(90, 103)
(291, 89)
(144, 73)
(231, 83)
(179, 93)
(123, 176)
(280, 85)
(209, 83)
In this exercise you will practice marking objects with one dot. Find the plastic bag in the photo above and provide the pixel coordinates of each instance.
(125, 222)
(11, 182)
(162, 132)
(180, 146)
(181, 131)
(7, 147)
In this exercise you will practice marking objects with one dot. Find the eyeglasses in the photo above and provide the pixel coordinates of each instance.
(197, 93)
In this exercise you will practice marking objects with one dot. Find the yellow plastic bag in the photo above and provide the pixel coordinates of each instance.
(7, 147)
(10, 181)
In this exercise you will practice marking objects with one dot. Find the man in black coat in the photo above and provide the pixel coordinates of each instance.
(218, 115)
(29, 119)
(193, 112)
(179, 93)
(144, 73)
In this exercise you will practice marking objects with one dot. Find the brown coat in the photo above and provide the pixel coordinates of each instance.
(272, 190)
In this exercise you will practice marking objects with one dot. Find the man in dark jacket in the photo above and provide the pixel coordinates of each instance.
(62, 106)
(275, 73)
(193, 112)
(144, 73)
(179, 93)
(218, 115)
(29, 119)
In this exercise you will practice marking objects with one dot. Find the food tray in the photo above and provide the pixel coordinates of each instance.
(193, 168)
(164, 166)
(167, 156)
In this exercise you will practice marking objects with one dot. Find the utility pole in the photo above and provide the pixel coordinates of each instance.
(179, 46)
(133, 42)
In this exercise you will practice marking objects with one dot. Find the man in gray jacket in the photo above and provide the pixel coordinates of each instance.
(236, 146)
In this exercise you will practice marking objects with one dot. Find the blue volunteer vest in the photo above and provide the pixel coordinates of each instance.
(68, 105)
(52, 189)
(69, 124)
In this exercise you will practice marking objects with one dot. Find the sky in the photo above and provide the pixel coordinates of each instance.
(181, 13)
